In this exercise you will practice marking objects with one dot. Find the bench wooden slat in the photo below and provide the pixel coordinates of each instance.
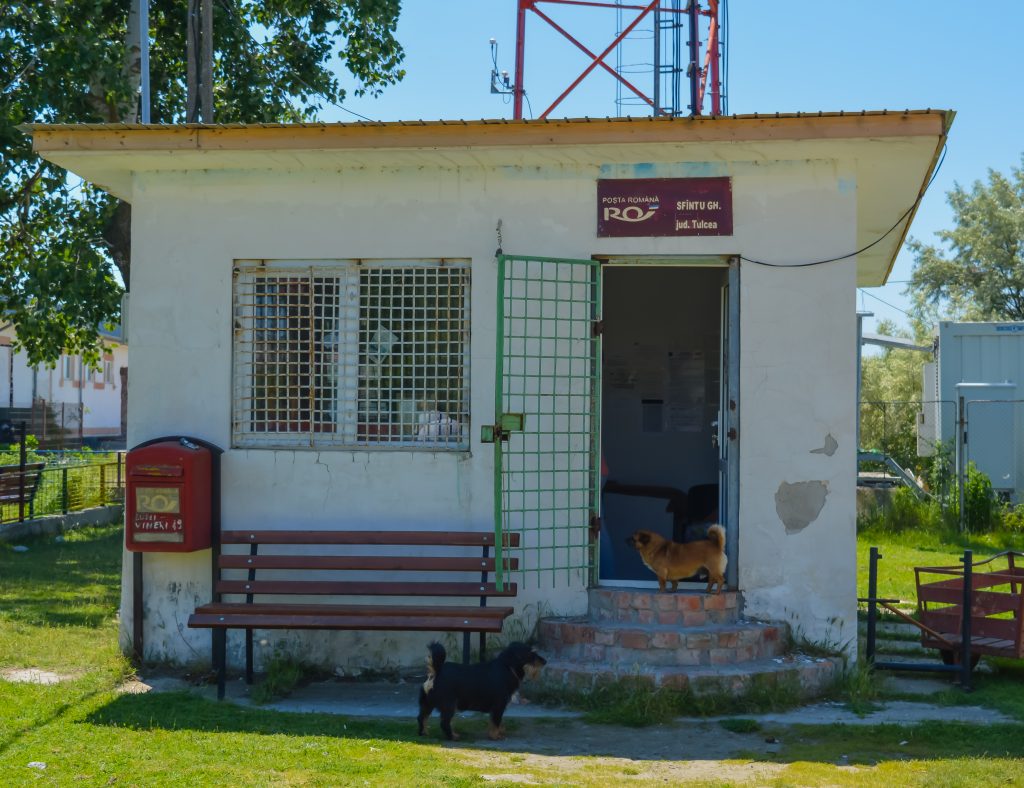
(435, 622)
(989, 601)
(384, 563)
(292, 608)
(948, 620)
(17, 487)
(438, 538)
(363, 588)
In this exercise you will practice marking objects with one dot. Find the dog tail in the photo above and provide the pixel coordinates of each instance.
(716, 535)
(436, 655)
(435, 659)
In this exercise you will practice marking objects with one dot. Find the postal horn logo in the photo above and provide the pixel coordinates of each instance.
(631, 213)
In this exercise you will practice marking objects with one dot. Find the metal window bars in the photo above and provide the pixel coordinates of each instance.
(351, 354)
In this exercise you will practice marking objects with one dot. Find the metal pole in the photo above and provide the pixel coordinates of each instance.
(872, 608)
(206, 67)
(961, 465)
(714, 48)
(517, 88)
(191, 63)
(144, 57)
(21, 473)
(693, 70)
(657, 60)
(965, 629)
(137, 609)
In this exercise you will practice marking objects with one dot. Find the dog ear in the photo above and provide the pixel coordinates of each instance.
(643, 537)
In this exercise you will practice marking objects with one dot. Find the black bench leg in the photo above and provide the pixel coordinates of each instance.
(483, 646)
(220, 658)
(465, 648)
(248, 656)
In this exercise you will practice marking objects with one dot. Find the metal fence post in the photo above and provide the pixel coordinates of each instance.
(872, 605)
(64, 489)
(103, 483)
(961, 463)
(965, 622)
(21, 473)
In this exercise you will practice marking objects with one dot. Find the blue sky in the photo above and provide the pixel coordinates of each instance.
(802, 55)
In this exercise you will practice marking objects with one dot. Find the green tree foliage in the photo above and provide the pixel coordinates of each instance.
(77, 61)
(978, 271)
(890, 397)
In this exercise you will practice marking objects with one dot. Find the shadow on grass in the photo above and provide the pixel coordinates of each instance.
(173, 711)
(863, 745)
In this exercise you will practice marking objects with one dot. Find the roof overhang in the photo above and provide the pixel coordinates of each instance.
(895, 153)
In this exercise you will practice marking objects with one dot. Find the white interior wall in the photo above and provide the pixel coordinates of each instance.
(796, 362)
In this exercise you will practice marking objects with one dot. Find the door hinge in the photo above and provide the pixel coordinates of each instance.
(732, 434)
(595, 526)
(597, 328)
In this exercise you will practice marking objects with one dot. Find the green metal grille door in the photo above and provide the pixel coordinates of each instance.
(547, 400)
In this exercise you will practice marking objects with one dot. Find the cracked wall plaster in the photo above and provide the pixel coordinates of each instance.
(799, 504)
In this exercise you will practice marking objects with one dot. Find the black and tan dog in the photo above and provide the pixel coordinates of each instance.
(482, 687)
(673, 561)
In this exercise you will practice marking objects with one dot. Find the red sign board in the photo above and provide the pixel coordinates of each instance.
(664, 207)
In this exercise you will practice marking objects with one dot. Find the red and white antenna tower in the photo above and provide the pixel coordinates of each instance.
(668, 18)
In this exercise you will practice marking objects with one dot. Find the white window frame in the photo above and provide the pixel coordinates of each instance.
(351, 354)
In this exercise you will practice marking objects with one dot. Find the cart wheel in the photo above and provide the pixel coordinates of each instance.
(951, 658)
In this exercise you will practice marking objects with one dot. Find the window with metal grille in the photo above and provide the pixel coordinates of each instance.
(347, 354)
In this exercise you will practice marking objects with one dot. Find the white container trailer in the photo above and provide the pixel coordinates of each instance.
(991, 357)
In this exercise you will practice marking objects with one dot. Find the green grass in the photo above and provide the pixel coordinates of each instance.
(904, 550)
(57, 612)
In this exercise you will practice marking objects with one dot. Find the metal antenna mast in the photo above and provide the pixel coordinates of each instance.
(669, 18)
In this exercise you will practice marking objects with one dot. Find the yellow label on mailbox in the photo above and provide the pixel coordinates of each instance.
(164, 500)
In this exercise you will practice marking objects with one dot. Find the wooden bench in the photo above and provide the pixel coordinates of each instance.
(305, 564)
(18, 485)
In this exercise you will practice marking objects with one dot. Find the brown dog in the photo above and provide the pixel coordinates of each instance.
(672, 561)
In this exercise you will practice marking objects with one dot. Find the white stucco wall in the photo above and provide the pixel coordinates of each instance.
(797, 362)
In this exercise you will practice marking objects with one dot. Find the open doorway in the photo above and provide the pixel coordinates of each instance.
(665, 370)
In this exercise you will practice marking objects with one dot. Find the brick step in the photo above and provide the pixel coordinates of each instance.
(647, 606)
(813, 675)
(625, 643)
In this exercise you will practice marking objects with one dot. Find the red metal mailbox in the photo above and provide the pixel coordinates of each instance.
(169, 497)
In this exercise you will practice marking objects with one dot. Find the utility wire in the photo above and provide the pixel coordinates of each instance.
(878, 240)
(891, 306)
(19, 75)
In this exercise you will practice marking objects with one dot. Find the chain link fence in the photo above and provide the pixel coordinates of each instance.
(66, 482)
(967, 454)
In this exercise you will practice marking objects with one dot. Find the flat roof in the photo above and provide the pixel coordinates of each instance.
(896, 151)
(404, 133)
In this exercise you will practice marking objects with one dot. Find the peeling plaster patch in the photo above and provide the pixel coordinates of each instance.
(831, 444)
(799, 504)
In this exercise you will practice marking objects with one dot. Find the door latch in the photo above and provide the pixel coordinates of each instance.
(507, 424)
